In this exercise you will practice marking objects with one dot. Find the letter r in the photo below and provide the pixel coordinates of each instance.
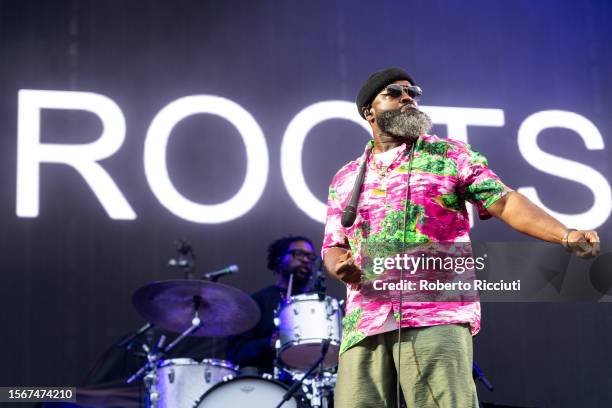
(82, 157)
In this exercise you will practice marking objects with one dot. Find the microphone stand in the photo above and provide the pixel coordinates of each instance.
(478, 375)
(186, 259)
(297, 384)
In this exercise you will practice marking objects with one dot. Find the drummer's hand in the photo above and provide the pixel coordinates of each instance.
(346, 270)
(273, 340)
(585, 244)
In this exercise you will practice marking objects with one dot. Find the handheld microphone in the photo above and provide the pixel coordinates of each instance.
(213, 276)
(350, 211)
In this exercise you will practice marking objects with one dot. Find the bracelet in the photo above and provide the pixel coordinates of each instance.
(564, 242)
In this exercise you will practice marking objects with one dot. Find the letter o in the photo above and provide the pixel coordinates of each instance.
(156, 169)
(293, 143)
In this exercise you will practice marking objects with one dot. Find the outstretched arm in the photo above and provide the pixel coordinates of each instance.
(520, 213)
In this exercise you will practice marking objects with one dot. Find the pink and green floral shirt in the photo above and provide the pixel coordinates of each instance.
(445, 174)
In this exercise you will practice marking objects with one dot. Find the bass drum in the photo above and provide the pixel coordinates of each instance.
(246, 391)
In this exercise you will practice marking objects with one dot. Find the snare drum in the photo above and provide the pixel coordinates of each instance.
(244, 392)
(182, 381)
(304, 321)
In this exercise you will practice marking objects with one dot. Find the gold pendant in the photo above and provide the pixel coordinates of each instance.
(381, 190)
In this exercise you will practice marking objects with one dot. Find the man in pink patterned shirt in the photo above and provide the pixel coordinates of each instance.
(414, 191)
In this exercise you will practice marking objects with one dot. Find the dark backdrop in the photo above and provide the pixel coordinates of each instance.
(68, 274)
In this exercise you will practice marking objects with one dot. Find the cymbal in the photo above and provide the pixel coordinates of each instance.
(171, 305)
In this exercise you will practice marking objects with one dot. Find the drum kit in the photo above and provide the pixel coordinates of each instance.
(309, 334)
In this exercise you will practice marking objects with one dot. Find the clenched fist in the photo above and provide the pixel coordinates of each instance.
(341, 264)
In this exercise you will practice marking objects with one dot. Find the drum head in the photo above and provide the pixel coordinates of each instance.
(215, 362)
(246, 391)
(178, 362)
(303, 354)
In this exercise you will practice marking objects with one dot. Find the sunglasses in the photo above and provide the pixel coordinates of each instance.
(396, 90)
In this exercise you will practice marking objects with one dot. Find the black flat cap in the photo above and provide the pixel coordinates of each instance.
(376, 82)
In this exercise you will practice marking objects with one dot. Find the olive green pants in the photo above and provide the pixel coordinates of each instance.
(435, 370)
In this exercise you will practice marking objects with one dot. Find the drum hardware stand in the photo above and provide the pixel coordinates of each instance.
(318, 391)
(276, 368)
(185, 260)
(150, 379)
(318, 397)
(297, 384)
(149, 370)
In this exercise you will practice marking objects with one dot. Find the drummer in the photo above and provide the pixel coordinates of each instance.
(291, 258)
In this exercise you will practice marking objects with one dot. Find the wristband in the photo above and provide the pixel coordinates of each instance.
(564, 242)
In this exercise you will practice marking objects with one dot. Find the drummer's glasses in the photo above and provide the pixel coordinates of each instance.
(396, 90)
(298, 253)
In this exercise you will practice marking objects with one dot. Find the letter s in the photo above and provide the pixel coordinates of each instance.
(557, 166)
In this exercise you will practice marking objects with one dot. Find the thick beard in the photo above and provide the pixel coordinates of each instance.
(298, 280)
(408, 124)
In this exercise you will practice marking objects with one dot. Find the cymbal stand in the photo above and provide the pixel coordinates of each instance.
(196, 323)
(299, 382)
(149, 370)
(150, 379)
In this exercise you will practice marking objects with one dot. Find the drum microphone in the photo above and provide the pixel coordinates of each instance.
(213, 276)
(160, 344)
(350, 211)
(320, 287)
(128, 342)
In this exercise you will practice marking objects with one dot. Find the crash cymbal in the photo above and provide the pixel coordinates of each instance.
(173, 304)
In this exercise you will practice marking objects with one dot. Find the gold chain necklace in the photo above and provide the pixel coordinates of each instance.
(381, 190)
(383, 171)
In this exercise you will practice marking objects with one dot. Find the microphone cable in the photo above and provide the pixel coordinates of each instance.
(401, 314)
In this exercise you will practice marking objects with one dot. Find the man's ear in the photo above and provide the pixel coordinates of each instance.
(367, 113)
